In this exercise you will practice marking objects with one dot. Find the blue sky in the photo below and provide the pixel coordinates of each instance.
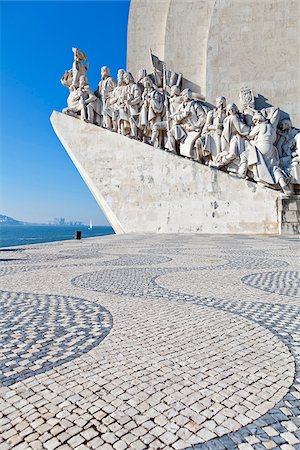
(38, 181)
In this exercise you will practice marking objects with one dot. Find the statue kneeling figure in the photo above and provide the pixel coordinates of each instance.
(83, 103)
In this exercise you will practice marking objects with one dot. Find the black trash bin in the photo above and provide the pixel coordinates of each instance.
(77, 235)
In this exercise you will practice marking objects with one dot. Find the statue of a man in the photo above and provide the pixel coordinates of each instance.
(157, 112)
(130, 108)
(212, 131)
(115, 101)
(83, 102)
(185, 120)
(144, 124)
(262, 155)
(161, 127)
(232, 137)
(104, 92)
(78, 68)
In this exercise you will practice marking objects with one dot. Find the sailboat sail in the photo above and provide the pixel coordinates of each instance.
(91, 224)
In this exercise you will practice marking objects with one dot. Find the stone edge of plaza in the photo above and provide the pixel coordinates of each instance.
(141, 189)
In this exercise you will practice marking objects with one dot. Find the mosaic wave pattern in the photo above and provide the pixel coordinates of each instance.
(180, 371)
(39, 332)
(279, 319)
(283, 283)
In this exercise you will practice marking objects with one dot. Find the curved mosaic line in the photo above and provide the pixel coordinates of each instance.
(165, 251)
(85, 252)
(282, 320)
(254, 263)
(123, 260)
(127, 260)
(134, 282)
(246, 251)
(138, 260)
(40, 332)
(35, 258)
(283, 283)
(18, 268)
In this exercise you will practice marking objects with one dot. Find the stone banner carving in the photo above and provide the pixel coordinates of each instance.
(257, 144)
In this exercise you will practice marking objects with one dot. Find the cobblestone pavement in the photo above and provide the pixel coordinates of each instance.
(151, 342)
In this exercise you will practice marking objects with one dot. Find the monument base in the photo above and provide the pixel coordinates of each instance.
(142, 189)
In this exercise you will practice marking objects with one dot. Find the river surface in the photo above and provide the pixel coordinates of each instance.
(11, 235)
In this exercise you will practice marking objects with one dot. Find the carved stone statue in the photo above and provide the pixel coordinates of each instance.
(104, 92)
(185, 120)
(114, 101)
(78, 67)
(130, 106)
(263, 157)
(83, 102)
(232, 137)
(156, 115)
(161, 128)
(259, 144)
(212, 131)
(144, 124)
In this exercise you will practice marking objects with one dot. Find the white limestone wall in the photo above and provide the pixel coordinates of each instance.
(186, 37)
(146, 29)
(256, 43)
(142, 189)
(222, 45)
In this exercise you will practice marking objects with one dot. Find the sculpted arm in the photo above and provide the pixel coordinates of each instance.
(254, 132)
(91, 97)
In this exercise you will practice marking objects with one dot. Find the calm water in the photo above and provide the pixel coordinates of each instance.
(24, 235)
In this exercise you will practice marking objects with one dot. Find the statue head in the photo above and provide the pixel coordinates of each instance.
(120, 76)
(187, 95)
(147, 82)
(221, 102)
(131, 79)
(105, 72)
(232, 109)
(285, 125)
(258, 118)
(128, 78)
(175, 91)
(142, 74)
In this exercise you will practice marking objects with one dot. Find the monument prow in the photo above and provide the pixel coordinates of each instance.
(142, 189)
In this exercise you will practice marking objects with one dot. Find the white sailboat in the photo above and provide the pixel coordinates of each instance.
(91, 225)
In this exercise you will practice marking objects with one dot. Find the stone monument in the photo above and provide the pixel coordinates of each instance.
(189, 166)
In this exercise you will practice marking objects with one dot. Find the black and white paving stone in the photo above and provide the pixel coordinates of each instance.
(148, 342)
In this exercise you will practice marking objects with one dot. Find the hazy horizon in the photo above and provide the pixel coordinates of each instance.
(52, 221)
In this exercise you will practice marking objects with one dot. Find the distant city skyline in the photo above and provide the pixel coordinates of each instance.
(38, 179)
